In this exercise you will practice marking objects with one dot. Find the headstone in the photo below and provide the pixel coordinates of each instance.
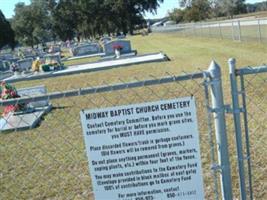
(52, 58)
(40, 53)
(27, 53)
(86, 49)
(105, 40)
(56, 49)
(25, 64)
(121, 36)
(30, 117)
(33, 91)
(2, 66)
(6, 56)
(126, 47)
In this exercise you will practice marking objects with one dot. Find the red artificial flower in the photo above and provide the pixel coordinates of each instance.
(9, 92)
(10, 108)
(117, 46)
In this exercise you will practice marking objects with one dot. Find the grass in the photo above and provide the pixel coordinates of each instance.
(248, 33)
(49, 162)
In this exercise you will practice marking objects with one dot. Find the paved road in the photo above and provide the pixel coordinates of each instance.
(226, 23)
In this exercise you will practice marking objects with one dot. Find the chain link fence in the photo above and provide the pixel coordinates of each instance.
(250, 116)
(49, 161)
(237, 30)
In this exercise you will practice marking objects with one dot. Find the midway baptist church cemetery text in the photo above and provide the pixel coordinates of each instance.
(144, 151)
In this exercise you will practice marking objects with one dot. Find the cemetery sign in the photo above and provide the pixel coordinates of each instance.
(144, 151)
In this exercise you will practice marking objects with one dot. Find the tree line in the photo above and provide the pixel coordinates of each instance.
(44, 20)
(198, 10)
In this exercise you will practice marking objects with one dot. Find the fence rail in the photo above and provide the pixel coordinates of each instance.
(237, 30)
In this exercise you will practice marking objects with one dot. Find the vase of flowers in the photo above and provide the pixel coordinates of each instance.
(9, 92)
(15, 69)
(117, 49)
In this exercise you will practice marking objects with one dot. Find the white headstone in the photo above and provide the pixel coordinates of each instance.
(144, 151)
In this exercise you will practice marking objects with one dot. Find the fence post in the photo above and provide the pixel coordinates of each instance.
(237, 123)
(233, 31)
(220, 29)
(239, 31)
(259, 31)
(220, 130)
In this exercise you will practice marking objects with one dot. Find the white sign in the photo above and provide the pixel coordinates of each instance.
(145, 151)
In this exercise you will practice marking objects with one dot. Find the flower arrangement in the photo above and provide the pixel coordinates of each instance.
(51, 64)
(14, 67)
(9, 92)
(117, 47)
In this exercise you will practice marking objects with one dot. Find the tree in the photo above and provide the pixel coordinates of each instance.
(64, 20)
(216, 10)
(232, 7)
(176, 15)
(7, 36)
(106, 16)
(196, 10)
(31, 23)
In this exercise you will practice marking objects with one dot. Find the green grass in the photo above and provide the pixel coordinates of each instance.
(49, 162)
(248, 33)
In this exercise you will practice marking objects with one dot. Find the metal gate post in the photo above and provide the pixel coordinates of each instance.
(237, 123)
(218, 109)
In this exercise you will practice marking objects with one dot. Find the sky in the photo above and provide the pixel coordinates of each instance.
(7, 7)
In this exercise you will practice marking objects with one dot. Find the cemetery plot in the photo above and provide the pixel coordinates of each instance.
(126, 61)
(29, 117)
(95, 66)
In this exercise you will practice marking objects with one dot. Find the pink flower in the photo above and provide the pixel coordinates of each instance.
(10, 108)
(13, 93)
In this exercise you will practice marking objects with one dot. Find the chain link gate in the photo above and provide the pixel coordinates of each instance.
(249, 95)
(49, 162)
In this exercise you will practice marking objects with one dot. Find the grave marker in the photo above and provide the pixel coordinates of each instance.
(33, 91)
(25, 64)
(86, 49)
(31, 116)
(105, 40)
(126, 47)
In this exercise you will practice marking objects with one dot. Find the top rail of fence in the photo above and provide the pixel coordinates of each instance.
(251, 70)
(105, 88)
